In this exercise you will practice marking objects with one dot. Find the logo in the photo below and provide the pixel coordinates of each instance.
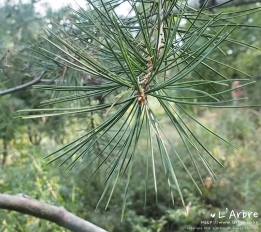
(232, 214)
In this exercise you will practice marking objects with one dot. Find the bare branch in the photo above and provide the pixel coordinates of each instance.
(4, 58)
(236, 2)
(23, 86)
(199, 3)
(27, 205)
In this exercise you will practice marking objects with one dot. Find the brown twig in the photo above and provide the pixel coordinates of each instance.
(25, 204)
(5, 56)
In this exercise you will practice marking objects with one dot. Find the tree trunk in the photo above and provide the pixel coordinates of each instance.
(5, 145)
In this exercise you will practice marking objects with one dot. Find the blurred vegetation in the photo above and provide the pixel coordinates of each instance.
(238, 186)
(23, 147)
(241, 58)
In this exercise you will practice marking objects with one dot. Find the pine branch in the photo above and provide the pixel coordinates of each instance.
(27, 205)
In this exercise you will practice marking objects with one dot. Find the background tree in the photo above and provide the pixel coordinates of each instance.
(20, 70)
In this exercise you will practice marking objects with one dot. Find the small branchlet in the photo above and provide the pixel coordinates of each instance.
(142, 97)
